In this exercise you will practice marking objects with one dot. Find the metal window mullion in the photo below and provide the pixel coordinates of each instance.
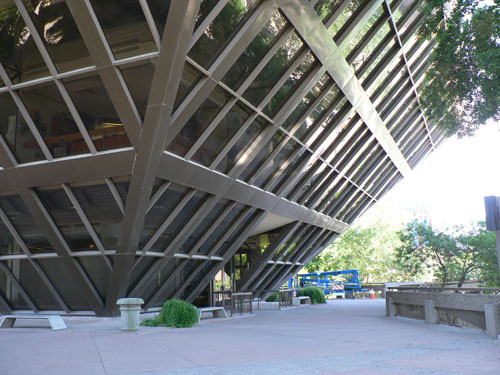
(86, 223)
(396, 101)
(324, 199)
(388, 81)
(270, 183)
(328, 22)
(382, 179)
(387, 60)
(333, 207)
(157, 195)
(411, 140)
(303, 181)
(324, 180)
(399, 117)
(318, 194)
(380, 170)
(254, 222)
(359, 208)
(35, 265)
(115, 194)
(385, 182)
(419, 155)
(353, 200)
(264, 164)
(365, 171)
(291, 180)
(19, 287)
(406, 125)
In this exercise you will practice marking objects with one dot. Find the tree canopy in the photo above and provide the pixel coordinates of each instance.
(460, 90)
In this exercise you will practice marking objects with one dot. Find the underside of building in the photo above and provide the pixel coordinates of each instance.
(150, 148)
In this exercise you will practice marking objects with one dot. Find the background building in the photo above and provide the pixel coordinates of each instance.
(147, 145)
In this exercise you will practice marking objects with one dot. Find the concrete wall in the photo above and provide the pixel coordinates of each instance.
(476, 311)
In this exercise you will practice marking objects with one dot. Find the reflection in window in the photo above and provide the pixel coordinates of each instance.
(220, 32)
(159, 11)
(222, 134)
(234, 156)
(59, 34)
(341, 20)
(67, 220)
(16, 133)
(274, 69)
(97, 112)
(290, 84)
(197, 124)
(138, 77)
(8, 245)
(53, 120)
(253, 54)
(190, 77)
(25, 224)
(102, 211)
(364, 29)
(276, 163)
(18, 53)
(124, 26)
(301, 156)
(325, 8)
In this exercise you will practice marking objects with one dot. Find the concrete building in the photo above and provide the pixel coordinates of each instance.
(148, 145)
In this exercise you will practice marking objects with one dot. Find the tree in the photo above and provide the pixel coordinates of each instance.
(369, 249)
(457, 255)
(460, 90)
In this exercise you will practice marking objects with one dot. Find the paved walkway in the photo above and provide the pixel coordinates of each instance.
(343, 337)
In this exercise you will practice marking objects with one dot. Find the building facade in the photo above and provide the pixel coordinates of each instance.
(148, 145)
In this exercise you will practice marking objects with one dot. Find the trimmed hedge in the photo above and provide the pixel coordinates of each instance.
(174, 313)
(275, 297)
(314, 293)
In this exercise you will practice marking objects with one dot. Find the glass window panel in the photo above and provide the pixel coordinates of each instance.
(2, 84)
(97, 112)
(255, 51)
(274, 165)
(124, 26)
(222, 134)
(9, 289)
(18, 53)
(8, 245)
(274, 69)
(293, 166)
(53, 120)
(380, 59)
(138, 77)
(16, 133)
(206, 7)
(235, 153)
(343, 17)
(364, 30)
(102, 211)
(304, 183)
(190, 77)
(180, 221)
(326, 7)
(159, 11)
(290, 85)
(25, 224)
(306, 102)
(59, 34)
(262, 155)
(98, 272)
(67, 220)
(220, 32)
(234, 234)
(161, 210)
(197, 124)
(122, 188)
(35, 287)
(370, 47)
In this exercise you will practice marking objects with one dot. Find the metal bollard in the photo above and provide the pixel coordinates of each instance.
(130, 308)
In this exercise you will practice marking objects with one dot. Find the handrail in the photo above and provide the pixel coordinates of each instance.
(428, 288)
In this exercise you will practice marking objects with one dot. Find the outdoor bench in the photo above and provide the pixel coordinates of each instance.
(302, 300)
(217, 312)
(56, 322)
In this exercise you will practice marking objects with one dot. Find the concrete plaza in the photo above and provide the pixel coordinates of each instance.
(342, 337)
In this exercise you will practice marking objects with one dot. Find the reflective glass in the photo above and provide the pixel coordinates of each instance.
(198, 123)
(311, 129)
(67, 220)
(97, 271)
(138, 77)
(159, 11)
(234, 156)
(9, 289)
(370, 47)
(2, 84)
(60, 36)
(301, 156)
(16, 133)
(364, 30)
(234, 234)
(8, 245)
(102, 211)
(253, 54)
(124, 26)
(325, 8)
(290, 85)
(221, 30)
(261, 156)
(341, 20)
(97, 112)
(25, 224)
(18, 53)
(274, 69)
(190, 77)
(53, 120)
(222, 134)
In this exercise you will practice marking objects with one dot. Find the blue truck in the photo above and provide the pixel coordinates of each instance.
(345, 287)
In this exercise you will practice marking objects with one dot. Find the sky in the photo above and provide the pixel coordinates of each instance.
(452, 181)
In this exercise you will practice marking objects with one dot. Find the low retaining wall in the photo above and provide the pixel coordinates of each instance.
(476, 311)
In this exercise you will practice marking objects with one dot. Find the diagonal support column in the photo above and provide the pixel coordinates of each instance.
(178, 30)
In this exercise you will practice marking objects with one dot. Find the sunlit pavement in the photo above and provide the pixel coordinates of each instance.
(342, 337)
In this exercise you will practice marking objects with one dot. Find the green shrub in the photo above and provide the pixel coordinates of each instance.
(275, 297)
(150, 322)
(314, 293)
(178, 313)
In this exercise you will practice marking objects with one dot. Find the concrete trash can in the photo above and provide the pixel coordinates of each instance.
(130, 309)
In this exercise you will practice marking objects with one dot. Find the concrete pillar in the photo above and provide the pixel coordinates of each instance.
(430, 311)
(390, 307)
(130, 309)
(492, 319)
